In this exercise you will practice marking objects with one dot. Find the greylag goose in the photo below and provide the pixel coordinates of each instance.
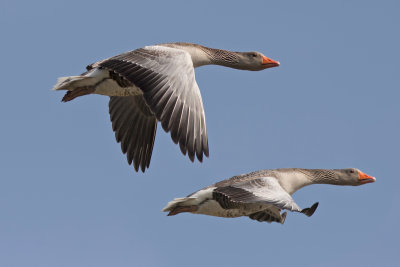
(157, 83)
(261, 195)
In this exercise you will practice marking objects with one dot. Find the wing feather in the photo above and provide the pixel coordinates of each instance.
(266, 190)
(166, 77)
(135, 128)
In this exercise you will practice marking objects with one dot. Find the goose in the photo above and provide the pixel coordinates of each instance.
(157, 83)
(261, 195)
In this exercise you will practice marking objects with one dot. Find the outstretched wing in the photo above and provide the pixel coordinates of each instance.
(135, 127)
(265, 190)
(166, 77)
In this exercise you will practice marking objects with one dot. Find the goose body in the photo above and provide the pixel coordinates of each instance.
(261, 195)
(157, 83)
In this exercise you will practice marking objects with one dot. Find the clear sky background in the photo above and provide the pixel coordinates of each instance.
(68, 197)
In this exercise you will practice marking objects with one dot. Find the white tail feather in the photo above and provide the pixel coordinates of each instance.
(69, 83)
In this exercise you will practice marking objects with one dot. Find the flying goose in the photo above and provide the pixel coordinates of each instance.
(261, 195)
(157, 83)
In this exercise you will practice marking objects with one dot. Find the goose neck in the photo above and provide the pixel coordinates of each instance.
(202, 55)
(222, 57)
(292, 180)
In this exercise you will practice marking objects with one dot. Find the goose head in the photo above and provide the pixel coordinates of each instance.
(255, 61)
(354, 177)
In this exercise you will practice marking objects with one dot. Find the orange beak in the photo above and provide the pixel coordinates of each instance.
(365, 178)
(269, 63)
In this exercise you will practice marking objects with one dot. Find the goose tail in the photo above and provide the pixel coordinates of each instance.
(77, 85)
(179, 205)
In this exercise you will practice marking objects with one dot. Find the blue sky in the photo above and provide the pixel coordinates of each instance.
(68, 197)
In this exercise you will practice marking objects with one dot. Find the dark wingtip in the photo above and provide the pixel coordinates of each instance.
(143, 166)
(148, 162)
(206, 152)
(174, 136)
(140, 166)
(283, 215)
(183, 148)
(199, 156)
(191, 155)
(310, 211)
(135, 166)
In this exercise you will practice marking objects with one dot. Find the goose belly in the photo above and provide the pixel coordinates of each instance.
(105, 85)
(98, 79)
(212, 207)
(110, 87)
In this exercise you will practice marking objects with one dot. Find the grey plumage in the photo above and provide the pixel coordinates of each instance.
(135, 127)
(262, 195)
(160, 84)
(161, 93)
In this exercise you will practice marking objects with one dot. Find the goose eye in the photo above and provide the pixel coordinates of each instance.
(351, 171)
(254, 55)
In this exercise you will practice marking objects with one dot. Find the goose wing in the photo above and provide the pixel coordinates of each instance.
(135, 127)
(166, 77)
(265, 190)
